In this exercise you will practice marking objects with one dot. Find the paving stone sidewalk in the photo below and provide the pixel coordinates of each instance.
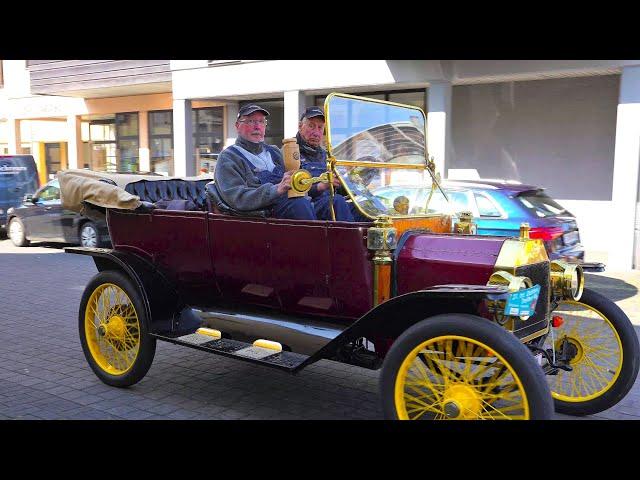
(44, 374)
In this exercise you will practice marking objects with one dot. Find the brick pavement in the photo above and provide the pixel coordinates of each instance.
(45, 375)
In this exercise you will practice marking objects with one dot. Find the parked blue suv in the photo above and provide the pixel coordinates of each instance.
(499, 207)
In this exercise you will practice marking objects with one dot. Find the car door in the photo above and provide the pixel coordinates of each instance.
(45, 221)
(492, 218)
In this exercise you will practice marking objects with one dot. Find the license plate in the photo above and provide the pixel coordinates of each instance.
(523, 302)
(570, 238)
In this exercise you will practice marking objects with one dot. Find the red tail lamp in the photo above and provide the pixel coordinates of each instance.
(557, 321)
(545, 233)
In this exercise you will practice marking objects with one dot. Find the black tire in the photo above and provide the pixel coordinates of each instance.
(610, 332)
(507, 355)
(88, 235)
(17, 233)
(102, 333)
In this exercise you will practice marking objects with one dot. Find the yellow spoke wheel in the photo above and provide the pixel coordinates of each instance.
(113, 332)
(458, 378)
(462, 367)
(600, 344)
(112, 329)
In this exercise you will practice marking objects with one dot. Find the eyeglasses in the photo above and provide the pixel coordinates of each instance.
(254, 122)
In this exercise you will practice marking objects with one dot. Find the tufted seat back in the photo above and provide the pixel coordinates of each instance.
(167, 191)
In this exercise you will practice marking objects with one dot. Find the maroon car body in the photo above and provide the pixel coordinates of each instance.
(466, 319)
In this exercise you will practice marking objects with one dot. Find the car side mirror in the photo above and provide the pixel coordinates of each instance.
(29, 198)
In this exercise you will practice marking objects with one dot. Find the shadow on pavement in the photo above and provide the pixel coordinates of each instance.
(613, 288)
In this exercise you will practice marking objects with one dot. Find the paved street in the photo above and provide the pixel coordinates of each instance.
(44, 374)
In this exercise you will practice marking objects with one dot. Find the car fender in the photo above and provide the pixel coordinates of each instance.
(162, 303)
(391, 318)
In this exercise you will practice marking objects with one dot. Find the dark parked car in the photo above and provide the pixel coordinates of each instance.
(18, 177)
(462, 326)
(500, 207)
(42, 218)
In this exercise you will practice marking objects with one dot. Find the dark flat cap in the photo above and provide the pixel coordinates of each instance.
(312, 112)
(249, 109)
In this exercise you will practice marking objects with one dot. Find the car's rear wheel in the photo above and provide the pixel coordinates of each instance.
(113, 330)
(462, 367)
(17, 233)
(89, 236)
(602, 347)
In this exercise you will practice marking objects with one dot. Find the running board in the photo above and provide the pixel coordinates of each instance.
(261, 352)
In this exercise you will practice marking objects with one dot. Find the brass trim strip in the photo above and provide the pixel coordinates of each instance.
(353, 163)
(537, 334)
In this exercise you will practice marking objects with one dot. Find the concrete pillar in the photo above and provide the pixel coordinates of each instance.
(294, 105)
(625, 170)
(144, 155)
(184, 163)
(439, 124)
(14, 140)
(75, 152)
(231, 115)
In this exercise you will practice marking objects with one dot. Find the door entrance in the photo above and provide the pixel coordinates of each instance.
(52, 159)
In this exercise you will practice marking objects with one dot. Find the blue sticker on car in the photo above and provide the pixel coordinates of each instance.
(523, 302)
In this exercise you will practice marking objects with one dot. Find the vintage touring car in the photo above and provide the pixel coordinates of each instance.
(462, 326)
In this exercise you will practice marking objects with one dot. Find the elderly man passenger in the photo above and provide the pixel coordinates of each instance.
(250, 174)
(314, 159)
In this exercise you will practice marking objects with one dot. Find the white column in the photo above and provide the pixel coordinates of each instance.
(184, 163)
(74, 142)
(144, 155)
(625, 170)
(15, 142)
(439, 124)
(230, 124)
(294, 105)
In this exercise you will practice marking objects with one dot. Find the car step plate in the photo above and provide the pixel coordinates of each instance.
(288, 361)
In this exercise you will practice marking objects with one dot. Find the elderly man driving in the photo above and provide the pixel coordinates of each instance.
(250, 174)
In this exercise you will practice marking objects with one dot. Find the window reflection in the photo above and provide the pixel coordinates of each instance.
(161, 141)
(127, 141)
(208, 133)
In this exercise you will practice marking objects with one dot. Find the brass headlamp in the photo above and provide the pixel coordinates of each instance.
(514, 283)
(465, 224)
(382, 236)
(567, 280)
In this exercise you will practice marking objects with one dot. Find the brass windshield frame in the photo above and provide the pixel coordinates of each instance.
(333, 162)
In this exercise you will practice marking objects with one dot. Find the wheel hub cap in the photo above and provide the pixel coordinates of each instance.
(113, 329)
(461, 401)
(574, 347)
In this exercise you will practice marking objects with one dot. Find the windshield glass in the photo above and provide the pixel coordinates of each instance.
(541, 204)
(380, 154)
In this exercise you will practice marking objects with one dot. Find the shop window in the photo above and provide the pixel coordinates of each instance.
(102, 145)
(417, 98)
(161, 141)
(127, 141)
(208, 133)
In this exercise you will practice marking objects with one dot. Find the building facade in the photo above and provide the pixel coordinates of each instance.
(572, 127)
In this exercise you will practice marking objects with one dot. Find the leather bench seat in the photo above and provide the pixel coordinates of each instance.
(174, 194)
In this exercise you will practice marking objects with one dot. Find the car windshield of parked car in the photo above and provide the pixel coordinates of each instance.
(380, 153)
(49, 193)
(541, 204)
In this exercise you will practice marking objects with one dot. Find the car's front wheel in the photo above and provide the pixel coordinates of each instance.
(462, 367)
(113, 330)
(17, 233)
(601, 347)
(89, 235)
